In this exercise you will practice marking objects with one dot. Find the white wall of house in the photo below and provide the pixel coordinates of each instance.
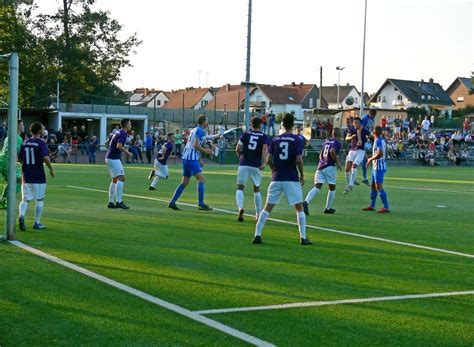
(342, 101)
(159, 101)
(297, 110)
(207, 98)
(391, 98)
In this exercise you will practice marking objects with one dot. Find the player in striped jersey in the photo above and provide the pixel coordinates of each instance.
(367, 122)
(192, 164)
(379, 167)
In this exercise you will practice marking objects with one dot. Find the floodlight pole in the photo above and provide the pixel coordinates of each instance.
(363, 63)
(247, 76)
(339, 69)
(13, 61)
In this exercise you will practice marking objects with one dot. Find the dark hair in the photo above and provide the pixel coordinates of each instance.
(373, 112)
(256, 122)
(336, 132)
(288, 121)
(170, 134)
(35, 128)
(378, 130)
(201, 119)
(356, 119)
(124, 122)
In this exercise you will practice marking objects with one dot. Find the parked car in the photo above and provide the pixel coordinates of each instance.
(231, 135)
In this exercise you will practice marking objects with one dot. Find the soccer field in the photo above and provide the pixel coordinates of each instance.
(217, 288)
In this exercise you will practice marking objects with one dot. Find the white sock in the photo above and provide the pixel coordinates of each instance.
(155, 181)
(23, 208)
(330, 199)
(119, 191)
(301, 217)
(262, 218)
(39, 211)
(239, 198)
(112, 189)
(348, 177)
(353, 176)
(311, 194)
(257, 198)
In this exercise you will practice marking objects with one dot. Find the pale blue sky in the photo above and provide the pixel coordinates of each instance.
(407, 39)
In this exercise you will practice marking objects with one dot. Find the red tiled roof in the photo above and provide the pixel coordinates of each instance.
(192, 96)
(288, 94)
(228, 97)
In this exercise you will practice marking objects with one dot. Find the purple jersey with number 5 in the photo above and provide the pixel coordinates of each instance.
(325, 157)
(252, 143)
(31, 156)
(284, 150)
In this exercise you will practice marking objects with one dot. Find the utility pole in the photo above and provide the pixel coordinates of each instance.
(57, 96)
(363, 63)
(247, 75)
(199, 79)
(320, 87)
(339, 69)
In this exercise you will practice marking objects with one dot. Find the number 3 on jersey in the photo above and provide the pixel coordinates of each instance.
(284, 146)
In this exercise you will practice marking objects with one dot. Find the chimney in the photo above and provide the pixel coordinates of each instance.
(431, 80)
(301, 84)
(293, 84)
(227, 87)
(145, 91)
(335, 84)
(347, 85)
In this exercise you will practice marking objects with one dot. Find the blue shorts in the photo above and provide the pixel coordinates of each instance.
(191, 168)
(378, 176)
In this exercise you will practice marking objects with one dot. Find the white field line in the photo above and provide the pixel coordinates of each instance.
(408, 244)
(334, 302)
(142, 295)
(437, 190)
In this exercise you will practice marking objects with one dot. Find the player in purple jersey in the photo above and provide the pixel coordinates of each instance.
(357, 136)
(113, 160)
(285, 158)
(33, 153)
(252, 151)
(326, 172)
(160, 166)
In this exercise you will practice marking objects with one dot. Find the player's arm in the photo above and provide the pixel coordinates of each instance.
(270, 160)
(350, 136)
(300, 165)
(264, 156)
(333, 154)
(238, 148)
(48, 164)
(198, 147)
(378, 154)
(359, 136)
(122, 149)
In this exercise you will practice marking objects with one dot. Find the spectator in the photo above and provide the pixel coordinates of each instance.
(222, 146)
(400, 151)
(383, 123)
(74, 139)
(264, 123)
(83, 139)
(60, 135)
(53, 150)
(138, 144)
(397, 126)
(178, 142)
(148, 146)
(466, 127)
(314, 128)
(271, 123)
(412, 125)
(92, 149)
(405, 127)
(221, 129)
(64, 150)
(425, 127)
(3, 131)
(468, 138)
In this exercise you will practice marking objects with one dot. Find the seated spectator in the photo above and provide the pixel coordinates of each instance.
(64, 150)
(53, 150)
(400, 149)
(468, 138)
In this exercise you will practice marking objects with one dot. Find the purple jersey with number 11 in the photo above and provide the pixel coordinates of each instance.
(252, 143)
(284, 150)
(32, 155)
(325, 158)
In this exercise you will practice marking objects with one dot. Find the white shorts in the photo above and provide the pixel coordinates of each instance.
(161, 170)
(356, 157)
(292, 191)
(115, 167)
(246, 172)
(326, 175)
(33, 191)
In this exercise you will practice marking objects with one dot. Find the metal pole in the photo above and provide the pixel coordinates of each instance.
(12, 143)
(57, 96)
(339, 69)
(247, 76)
(320, 87)
(238, 107)
(182, 110)
(363, 63)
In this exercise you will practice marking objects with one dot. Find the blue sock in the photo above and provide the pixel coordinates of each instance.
(364, 169)
(373, 198)
(177, 193)
(201, 193)
(383, 196)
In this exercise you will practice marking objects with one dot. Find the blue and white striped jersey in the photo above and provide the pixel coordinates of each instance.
(190, 153)
(367, 122)
(380, 145)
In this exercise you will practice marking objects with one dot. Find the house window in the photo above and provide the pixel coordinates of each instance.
(460, 99)
(429, 97)
(311, 103)
(399, 98)
(166, 101)
(356, 100)
(204, 103)
(158, 102)
(384, 98)
(396, 89)
(379, 98)
(423, 97)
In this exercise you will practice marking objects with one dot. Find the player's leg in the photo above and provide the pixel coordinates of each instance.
(318, 183)
(26, 197)
(330, 174)
(40, 190)
(256, 176)
(161, 171)
(112, 190)
(119, 192)
(182, 186)
(294, 195)
(274, 193)
(201, 190)
(242, 176)
(365, 180)
(373, 195)
(379, 176)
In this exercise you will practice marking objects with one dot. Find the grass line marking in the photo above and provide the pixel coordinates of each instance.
(401, 243)
(142, 295)
(334, 302)
(437, 190)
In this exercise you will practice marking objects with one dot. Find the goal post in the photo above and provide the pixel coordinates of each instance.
(13, 63)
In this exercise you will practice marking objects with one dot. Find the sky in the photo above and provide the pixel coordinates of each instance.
(406, 39)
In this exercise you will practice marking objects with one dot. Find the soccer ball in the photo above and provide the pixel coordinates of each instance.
(349, 100)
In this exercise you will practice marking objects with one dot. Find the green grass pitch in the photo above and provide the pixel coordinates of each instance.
(205, 260)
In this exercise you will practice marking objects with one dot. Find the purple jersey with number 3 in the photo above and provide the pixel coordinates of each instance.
(252, 143)
(284, 150)
(325, 158)
(119, 137)
(31, 156)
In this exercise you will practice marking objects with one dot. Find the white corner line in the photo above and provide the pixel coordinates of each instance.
(401, 243)
(147, 297)
(334, 302)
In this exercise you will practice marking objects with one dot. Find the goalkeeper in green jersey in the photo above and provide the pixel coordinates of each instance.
(4, 164)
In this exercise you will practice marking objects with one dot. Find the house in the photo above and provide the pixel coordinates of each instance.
(145, 97)
(292, 98)
(189, 98)
(403, 94)
(349, 96)
(228, 98)
(461, 92)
